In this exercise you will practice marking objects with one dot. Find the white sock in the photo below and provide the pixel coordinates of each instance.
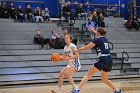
(58, 90)
(75, 87)
(117, 89)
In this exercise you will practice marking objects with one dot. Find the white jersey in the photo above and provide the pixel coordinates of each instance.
(69, 52)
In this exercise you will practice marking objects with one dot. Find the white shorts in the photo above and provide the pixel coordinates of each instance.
(76, 65)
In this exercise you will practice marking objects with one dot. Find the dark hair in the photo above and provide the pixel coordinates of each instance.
(101, 31)
(71, 37)
(53, 31)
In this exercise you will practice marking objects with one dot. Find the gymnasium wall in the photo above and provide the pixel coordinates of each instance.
(54, 6)
(138, 9)
(51, 4)
(138, 2)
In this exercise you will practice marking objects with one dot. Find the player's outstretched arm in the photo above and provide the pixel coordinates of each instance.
(89, 46)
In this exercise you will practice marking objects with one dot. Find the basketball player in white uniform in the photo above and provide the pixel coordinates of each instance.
(71, 57)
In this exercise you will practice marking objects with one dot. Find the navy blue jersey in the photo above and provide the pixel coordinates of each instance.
(102, 44)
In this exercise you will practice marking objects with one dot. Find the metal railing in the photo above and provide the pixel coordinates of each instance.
(125, 57)
(112, 45)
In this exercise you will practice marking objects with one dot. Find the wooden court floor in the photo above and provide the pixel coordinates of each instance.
(127, 86)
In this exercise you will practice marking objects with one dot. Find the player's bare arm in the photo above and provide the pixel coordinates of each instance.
(89, 46)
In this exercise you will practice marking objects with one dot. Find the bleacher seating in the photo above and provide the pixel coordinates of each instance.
(22, 61)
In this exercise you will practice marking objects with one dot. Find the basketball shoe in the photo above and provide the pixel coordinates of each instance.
(118, 91)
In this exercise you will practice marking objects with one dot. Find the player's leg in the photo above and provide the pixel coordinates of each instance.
(92, 71)
(68, 72)
(61, 77)
(104, 78)
(60, 81)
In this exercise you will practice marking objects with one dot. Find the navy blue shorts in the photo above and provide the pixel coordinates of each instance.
(104, 63)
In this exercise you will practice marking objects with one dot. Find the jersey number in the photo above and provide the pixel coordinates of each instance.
(106, 45)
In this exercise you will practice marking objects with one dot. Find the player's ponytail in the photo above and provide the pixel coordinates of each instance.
(101, 31)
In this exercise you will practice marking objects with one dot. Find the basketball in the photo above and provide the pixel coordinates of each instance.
(55, 57)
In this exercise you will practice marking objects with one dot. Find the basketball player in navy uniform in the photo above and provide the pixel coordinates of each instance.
(104, 62)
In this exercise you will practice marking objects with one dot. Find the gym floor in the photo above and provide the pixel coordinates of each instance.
(127, 86)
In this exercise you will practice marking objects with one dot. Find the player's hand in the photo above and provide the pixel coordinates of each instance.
(63, 57)
(66, 58)
(77, 50)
